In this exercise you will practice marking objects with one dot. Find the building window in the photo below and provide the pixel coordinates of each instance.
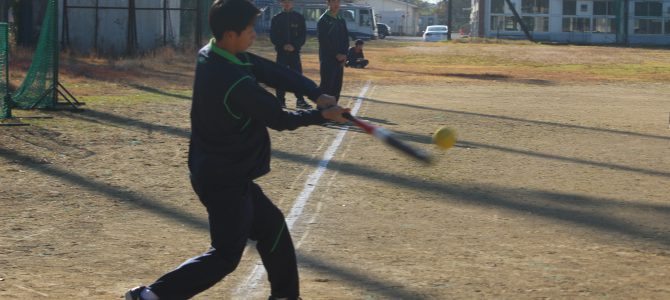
(496, 22)
(570, 8)
(572, 22)
(648, 26)
(584, 8)
(510, 24)
(534, 13)
(503, 23)
(604, 25)
(648, 9)
(649, 18)
(537, 24)
(603, 8)
(497, 6)
(535, 6)
(576, 24)
(604, 18)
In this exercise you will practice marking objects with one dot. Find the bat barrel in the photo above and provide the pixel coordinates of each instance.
(416, 153)
(388, 138)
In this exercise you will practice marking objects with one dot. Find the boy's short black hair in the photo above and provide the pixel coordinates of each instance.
(235, 15)
(359, 42)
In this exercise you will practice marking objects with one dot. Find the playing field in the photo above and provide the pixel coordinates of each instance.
(558, 188)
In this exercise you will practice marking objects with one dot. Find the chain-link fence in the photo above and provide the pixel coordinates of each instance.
(126, 27)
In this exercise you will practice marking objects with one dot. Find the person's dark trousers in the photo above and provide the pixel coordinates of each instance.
(292, 61)
(359, 64)
(236, 214)
(331, 78)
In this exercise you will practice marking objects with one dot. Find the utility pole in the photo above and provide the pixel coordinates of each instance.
(449, 5)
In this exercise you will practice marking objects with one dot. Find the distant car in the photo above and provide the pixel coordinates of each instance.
(435, 33)
(383, 30)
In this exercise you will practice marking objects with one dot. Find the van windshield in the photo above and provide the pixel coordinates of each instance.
(437, 28)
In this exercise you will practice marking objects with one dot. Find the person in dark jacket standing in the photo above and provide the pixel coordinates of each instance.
(333, 46)
(287, 33)
(230, 148)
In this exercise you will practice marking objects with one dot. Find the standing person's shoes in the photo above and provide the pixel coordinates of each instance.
(141, 293)
(302, 104)
(134, 293)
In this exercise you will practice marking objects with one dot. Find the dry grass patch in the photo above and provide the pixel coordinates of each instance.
(392, 62)
(522, 62)
(92, 74)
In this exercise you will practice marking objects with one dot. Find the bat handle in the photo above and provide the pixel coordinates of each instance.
(369, 128)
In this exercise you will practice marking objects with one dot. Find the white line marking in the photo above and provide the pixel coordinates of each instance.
(30, 290)
(254, 278)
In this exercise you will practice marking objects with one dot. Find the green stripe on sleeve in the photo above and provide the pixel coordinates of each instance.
(225, 99)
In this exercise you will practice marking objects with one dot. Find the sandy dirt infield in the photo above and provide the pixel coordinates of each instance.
(559, 187)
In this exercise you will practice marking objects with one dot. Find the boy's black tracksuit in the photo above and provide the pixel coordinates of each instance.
(333, 39)
(229, 148)
(288, 27)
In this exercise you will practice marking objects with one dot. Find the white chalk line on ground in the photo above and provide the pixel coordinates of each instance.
(255, 278)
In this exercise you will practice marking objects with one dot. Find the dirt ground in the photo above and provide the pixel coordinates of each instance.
(558, 187)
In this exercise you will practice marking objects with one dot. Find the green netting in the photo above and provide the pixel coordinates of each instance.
(38, 89)
(5, 105)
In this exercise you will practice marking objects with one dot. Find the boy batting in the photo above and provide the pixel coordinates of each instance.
(230, 148)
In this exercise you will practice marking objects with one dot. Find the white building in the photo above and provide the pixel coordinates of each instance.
(576, 21)
(402, 17)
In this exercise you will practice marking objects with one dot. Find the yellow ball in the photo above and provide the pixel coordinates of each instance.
(444, 137)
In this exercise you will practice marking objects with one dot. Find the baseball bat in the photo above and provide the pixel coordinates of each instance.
(387, 137)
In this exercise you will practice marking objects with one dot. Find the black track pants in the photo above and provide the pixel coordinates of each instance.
(291, 61)
(236, 214)
(332, 73)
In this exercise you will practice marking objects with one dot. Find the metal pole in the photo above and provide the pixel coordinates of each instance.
(625, 21)
(5, 34)
(56, 50)
(164, 23)
(449, 15)
(198, 24)
(95, 27)
(131, 43)
(65, 30)
(4, 7)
